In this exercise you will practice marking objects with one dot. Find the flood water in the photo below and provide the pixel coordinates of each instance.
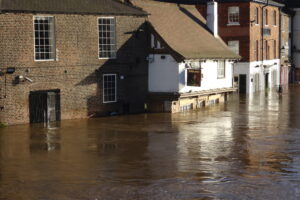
(248, 148)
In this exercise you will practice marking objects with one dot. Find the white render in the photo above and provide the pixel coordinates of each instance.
(167, 75)
(296, 33)
(259, 68)
(163, 74)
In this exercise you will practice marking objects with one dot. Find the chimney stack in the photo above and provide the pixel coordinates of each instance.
(212, 17)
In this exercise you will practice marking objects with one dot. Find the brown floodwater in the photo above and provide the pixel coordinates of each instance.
(248, 148)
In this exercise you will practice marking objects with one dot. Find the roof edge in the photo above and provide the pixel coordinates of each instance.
(129, 5)
(74, 13)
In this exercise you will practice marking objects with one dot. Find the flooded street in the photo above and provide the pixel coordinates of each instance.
(248, 148)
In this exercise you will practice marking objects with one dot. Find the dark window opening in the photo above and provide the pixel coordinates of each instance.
(194, 77)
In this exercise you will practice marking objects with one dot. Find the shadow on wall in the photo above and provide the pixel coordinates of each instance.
(131, 70)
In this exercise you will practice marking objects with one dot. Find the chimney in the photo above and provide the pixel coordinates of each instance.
(212, 17)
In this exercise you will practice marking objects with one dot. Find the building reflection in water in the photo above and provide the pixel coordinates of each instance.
(45, 138)
(204, 154)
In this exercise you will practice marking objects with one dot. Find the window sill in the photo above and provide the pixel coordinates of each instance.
(233, 24)
(223, 77)
(193, 86)
(48, 60)
(107, 102)
(108, 58)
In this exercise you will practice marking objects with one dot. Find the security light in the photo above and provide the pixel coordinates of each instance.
(10, 70)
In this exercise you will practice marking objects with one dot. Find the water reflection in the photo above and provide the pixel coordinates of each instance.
(245, 149)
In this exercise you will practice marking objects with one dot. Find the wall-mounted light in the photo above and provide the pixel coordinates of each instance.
(10, 70)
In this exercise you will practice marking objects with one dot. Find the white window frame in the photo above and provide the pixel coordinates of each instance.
(115, 39)
(234, 45)
(230, 12)
(103, 88)
(53, 58)
(221, 63)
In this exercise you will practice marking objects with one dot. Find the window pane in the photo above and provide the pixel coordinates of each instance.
(194, 77)
(221, 69)
(109, 88)
(107, 35)
(44, 39)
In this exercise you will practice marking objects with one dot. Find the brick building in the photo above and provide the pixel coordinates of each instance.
(70, 59)
(251, 29)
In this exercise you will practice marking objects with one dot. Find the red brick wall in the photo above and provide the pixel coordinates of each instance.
(229, 32)
(247, 33)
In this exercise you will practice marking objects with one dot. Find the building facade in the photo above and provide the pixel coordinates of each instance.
(189, 67)
(295, 7)
(285, 48)
(66, 60)
(251, 29)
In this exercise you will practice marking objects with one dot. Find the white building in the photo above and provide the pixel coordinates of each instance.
(257, 75)
(189, 67)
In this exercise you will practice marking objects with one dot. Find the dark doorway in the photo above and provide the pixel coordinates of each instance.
(242, 83)
(44, 106)
(267, 80)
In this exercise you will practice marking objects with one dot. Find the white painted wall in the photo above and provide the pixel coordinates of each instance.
(163, 74)
(252, 68)
(166, 75)
(242, 68)
(209, 80)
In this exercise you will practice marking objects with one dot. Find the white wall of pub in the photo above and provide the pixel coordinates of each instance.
(166, 75)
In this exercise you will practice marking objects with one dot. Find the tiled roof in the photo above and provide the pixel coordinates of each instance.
(113, 7)
(271, 2)
(184, 30)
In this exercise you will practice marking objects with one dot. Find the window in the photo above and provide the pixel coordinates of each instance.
(274, 18)
(155, 44)
(256, 47)
(233, 15)
(107, 37)
(109, 88)
(221, 69)
(256, 16)
(234, 46)
(266, 17)
(44, 47)
(194, 77)
(267, 50)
